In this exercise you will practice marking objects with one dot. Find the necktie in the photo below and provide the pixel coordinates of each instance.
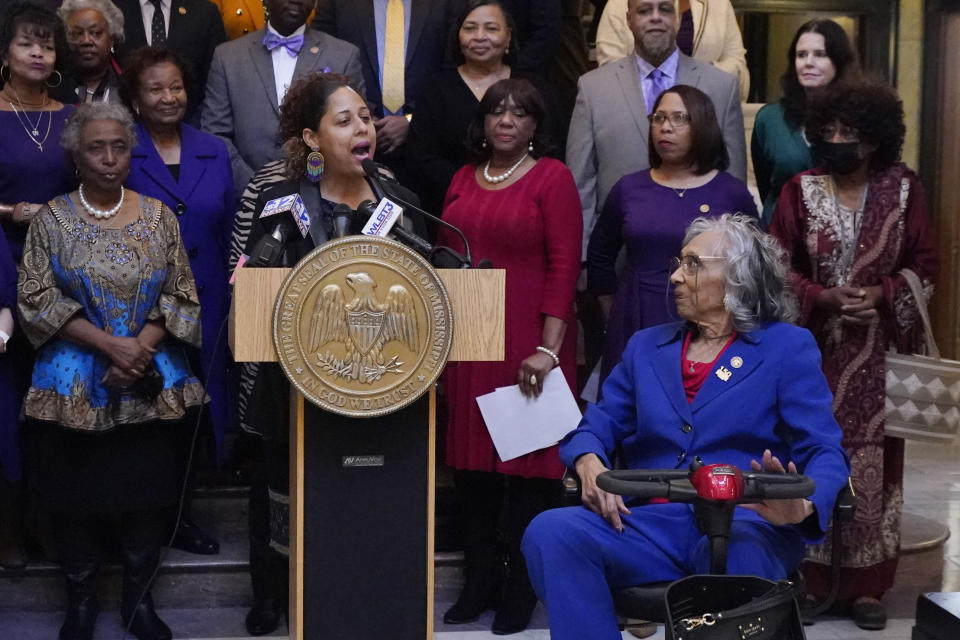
(393, 57)
(293, 44)
(158, 30)
(658, 83)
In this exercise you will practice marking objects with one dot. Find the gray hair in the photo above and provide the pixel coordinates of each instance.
(70, 138)
(107, 9)
(758, 289)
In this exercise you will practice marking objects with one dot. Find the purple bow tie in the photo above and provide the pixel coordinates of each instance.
(293, 44)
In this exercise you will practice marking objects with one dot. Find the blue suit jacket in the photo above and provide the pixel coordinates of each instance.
(204, 203)
(777, 399)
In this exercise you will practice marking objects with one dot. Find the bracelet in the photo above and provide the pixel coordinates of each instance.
(556, 358)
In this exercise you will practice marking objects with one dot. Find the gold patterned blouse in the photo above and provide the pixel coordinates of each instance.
(119, 279)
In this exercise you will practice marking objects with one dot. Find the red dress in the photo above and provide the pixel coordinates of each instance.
(533, 230)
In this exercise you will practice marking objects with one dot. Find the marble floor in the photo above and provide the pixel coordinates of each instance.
(932, 491)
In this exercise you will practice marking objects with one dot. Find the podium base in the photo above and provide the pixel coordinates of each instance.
(362, 524)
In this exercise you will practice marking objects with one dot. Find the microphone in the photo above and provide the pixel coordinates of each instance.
(341, 220)
(412, 240)
(282, 219)
(376, 184)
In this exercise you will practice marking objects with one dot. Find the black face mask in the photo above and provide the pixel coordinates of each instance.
(839, 157)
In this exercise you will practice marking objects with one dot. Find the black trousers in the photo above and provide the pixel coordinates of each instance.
(268, 568)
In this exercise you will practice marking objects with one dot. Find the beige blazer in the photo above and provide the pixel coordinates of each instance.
(716, 37)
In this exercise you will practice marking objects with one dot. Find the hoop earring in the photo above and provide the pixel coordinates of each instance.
(59, 80)
(315, 165)
(7, 79)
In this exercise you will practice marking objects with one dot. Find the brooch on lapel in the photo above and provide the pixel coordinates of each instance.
(736, 362)
(183, 11)
(723, 373)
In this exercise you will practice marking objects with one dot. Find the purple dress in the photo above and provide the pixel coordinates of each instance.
(9, 460)
(28, 174)
(650, 220)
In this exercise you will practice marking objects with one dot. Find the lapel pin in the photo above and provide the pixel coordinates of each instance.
(704, 208)
(736, 362)
(314, 49)
(183, 11)
(724, 374)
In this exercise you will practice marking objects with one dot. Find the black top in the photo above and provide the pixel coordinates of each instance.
(436, 141)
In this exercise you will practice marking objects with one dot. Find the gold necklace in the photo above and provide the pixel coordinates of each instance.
(33, 130)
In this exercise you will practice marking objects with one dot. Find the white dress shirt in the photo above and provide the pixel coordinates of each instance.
(283, 63)
(147, 9)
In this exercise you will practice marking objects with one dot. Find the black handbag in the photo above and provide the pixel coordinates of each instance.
(720, 607)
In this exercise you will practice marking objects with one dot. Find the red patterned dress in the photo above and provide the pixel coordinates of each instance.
(833, 246)
(532, 229)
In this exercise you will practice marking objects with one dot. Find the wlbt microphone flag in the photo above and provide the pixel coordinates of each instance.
(384, 217)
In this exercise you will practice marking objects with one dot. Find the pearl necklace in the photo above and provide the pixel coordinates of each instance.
(101, 214)
(504, 176)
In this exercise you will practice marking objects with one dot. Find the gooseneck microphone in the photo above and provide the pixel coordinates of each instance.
(376, 184)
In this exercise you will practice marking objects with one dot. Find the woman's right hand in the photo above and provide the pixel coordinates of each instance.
(835, 299)
(130, 355)
(608, 505)
(116, 378)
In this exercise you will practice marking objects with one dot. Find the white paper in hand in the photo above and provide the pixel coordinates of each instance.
(519, 425)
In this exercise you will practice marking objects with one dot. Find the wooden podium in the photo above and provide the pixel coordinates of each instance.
(362, 489)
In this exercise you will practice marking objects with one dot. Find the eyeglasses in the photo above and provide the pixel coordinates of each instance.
(678, 119)
(690, 263)
(846, 132)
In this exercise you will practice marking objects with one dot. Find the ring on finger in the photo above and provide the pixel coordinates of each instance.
(533, 379)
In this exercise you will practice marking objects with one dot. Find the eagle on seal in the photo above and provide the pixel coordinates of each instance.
(363, 326)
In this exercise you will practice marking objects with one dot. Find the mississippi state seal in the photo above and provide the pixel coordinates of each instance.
(362, 326)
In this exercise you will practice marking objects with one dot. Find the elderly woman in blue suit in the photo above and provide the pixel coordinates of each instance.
(732, 383)
(189, 171)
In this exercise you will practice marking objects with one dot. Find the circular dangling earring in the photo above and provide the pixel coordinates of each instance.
(484, 143)
(315, 165)
(57, 83)
(530, 146)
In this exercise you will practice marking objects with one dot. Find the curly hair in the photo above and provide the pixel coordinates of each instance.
(144, 58)
(111, 14)
(303, 107)
(757, 289)
(525, 96)
(869, 106)
(513, 47)
(39, 22)
(70, 139)
(841, 54)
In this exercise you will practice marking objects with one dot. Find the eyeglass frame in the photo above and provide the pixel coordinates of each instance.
(828, 131)
(674, 116)
(690, 264)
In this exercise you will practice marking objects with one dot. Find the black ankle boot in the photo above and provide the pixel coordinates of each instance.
(82, 606)
(481, 591)
(142, 618)
(519, 601)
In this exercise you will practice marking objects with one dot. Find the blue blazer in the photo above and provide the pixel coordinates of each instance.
(204, 202)
(777, 399)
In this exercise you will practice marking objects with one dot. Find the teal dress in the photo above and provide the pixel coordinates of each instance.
(779, 152)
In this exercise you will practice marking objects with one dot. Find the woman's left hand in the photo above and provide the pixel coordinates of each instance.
(532, 372)
(861, 313)
(779, 512)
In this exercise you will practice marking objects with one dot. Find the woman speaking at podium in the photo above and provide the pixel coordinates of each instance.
(328, 132)
(521, 210)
